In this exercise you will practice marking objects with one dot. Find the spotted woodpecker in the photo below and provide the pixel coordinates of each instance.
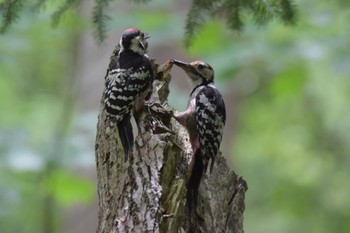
(204, 118)
(128, 80)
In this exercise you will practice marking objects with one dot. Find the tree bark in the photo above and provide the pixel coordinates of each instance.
(147, 191)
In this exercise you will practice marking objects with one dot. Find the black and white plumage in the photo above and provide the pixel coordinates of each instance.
(128, 81)
(204, 117)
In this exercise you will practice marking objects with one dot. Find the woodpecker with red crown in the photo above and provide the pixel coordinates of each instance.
(204, 119)
(128, 81)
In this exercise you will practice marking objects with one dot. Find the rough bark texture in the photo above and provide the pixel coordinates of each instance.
(147, 192)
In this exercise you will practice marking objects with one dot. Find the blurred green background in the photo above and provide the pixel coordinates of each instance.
(287, 92)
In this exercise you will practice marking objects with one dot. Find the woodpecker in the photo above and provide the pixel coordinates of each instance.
(204, 118)
(128, 81)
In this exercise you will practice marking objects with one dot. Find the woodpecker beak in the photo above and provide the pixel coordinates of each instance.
(185, 66)
(189, 68)
(145, 42)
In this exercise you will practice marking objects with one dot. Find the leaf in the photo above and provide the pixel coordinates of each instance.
(56, 16)
(100, 18)
(9, 12)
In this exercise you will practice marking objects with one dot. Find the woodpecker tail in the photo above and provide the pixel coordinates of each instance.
(125, 134)
(195, 180)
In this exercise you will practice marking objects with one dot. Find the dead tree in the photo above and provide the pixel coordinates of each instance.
(147, 192)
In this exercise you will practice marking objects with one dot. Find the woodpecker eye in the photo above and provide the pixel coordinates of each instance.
(201, 66)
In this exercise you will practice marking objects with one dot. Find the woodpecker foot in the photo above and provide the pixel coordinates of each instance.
(158, 108)
(158, 127)
(112, 122)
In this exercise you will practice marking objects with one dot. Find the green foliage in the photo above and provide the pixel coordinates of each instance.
(36, 80)
(141, 1)
(9, 11)
(17, 202)
(291, 85)
(290, 82)
(201, 10)
(99, 19)
(69, 189)
(215, 37)
(62, 9)
(291, 138)
(33, 197)
(233, 10)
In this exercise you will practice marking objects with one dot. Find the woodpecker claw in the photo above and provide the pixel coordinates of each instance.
(159, 108)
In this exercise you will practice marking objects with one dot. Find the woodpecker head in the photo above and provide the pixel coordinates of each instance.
(198, 71)
(135, 40)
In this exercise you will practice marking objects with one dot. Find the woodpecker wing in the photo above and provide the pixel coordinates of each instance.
(211, 117)
(116, 103)
(123, 86)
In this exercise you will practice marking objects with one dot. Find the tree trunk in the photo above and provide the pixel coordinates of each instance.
(147, 191)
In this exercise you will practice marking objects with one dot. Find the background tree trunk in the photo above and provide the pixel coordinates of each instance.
(147, 192)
